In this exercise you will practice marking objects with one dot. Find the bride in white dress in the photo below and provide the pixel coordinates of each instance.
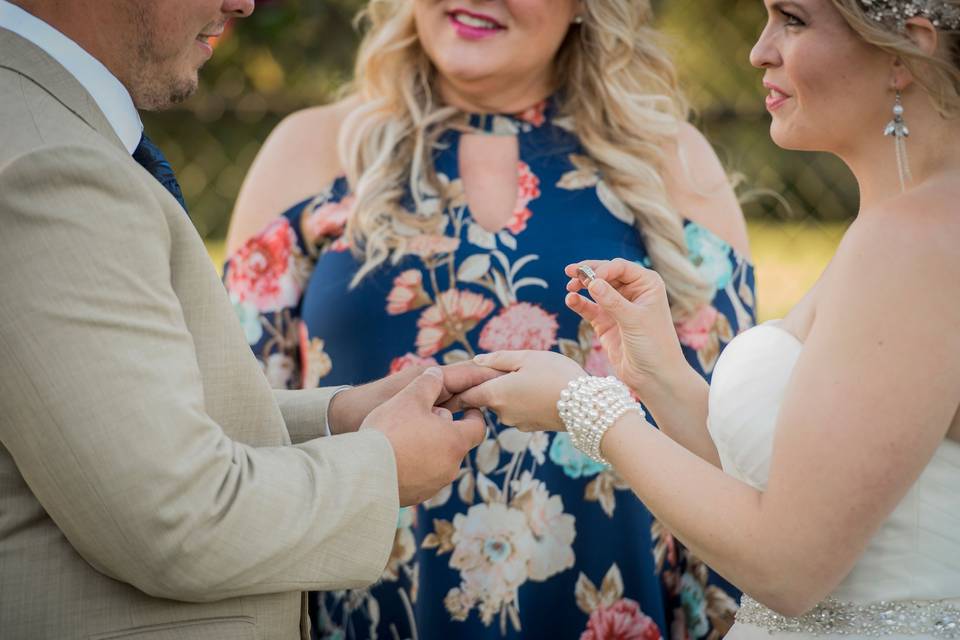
(837, 509)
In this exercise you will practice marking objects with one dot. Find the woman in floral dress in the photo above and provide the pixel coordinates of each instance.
(485, 146)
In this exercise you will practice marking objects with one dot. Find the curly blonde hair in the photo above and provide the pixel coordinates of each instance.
(616, 83)
(938, 74)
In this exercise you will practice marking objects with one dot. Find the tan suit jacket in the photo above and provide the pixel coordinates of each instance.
(152, 485)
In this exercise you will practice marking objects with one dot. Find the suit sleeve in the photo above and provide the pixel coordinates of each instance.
(103, 408)
(305, 412)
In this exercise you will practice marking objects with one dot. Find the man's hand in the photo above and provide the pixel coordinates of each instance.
(526, 397)
(461, 377)
(428, 444)
(350, 408)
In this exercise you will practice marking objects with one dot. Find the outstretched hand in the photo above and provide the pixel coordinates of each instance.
(631, 317)
(525, 394)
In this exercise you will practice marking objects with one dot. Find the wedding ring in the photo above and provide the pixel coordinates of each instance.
(586, 274)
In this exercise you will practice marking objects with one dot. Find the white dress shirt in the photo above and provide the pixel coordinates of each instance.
(107, 91)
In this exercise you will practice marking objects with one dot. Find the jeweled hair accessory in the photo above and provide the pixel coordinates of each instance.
(895, 13)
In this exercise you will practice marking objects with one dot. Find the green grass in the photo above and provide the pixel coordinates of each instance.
(789, 257)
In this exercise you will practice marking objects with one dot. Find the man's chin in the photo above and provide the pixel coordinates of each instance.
(182, 93)
(158, 98)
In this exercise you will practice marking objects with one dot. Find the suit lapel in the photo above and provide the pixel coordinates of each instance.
(23, 57)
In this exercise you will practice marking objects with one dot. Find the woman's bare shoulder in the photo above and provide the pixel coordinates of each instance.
(699, 188)
(902, 254)
(298, 159)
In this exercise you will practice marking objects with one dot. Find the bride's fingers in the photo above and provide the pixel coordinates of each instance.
(456, 403)
(612, 301)
(591, 312)
(575, 284)
(617, 276)
(617, 272)
(620, 272)
(571, 269)
(481, 396)
(582, 307)
(506, 361)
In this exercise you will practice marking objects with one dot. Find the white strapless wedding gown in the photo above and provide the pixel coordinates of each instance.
(907, 582)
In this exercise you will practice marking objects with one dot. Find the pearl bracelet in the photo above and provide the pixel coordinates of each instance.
(589, 406)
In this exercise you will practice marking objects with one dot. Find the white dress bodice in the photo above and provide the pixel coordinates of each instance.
(915, 555)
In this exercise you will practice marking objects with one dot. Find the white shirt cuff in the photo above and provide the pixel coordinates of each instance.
(326, 411)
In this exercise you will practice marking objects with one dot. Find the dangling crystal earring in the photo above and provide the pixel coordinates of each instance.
(898, 129)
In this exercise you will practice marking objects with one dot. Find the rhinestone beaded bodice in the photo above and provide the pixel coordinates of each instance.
(911, 564)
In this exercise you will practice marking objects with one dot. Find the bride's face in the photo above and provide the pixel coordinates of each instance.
(487, 44)
(827, 88)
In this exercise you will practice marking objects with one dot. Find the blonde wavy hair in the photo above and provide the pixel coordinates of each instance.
(938, 74)
(616, 83)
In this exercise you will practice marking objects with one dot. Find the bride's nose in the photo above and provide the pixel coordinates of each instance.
(765, 53)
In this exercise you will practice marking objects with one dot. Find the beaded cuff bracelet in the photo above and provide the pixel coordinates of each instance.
(589, 406)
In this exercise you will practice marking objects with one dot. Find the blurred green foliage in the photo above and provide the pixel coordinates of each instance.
(296, 53)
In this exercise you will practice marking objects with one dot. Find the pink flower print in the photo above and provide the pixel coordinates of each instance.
(597, 363)
(455, 314)
(328, 220)
(520, 326)
(518, 222)
(623, 620)
(694, 332)
(528, 188)
(427, 245)
(535, 114)
(266, 272)
(410, 360)
(407, 293)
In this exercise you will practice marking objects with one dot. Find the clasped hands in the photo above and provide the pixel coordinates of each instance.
(630, 316)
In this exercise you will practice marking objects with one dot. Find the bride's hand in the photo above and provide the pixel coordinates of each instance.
(631, 317)
(526, 397)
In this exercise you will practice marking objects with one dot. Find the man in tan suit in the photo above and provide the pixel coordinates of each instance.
(152, 485)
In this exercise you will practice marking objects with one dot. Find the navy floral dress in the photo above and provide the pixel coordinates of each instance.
(533, 540)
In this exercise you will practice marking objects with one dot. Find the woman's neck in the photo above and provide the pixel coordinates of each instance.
(495, 96)
(930, 153)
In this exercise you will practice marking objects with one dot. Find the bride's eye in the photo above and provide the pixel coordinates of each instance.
(791, 20)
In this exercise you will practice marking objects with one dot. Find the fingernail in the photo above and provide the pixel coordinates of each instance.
(481, 359)
(435, 372)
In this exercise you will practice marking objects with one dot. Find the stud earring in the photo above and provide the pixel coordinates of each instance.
(578, 19)
(900, 132)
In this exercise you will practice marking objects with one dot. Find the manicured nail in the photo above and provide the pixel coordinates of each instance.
(482, 359)
(435, 372)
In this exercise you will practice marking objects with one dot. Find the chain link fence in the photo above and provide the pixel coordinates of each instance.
(296, 53)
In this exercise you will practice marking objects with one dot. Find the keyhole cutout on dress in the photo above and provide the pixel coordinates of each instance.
(488, 168)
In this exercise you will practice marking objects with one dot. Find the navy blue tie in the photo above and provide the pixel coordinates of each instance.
(151, 158)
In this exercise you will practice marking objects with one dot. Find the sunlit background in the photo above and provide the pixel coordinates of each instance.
(297, 53)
